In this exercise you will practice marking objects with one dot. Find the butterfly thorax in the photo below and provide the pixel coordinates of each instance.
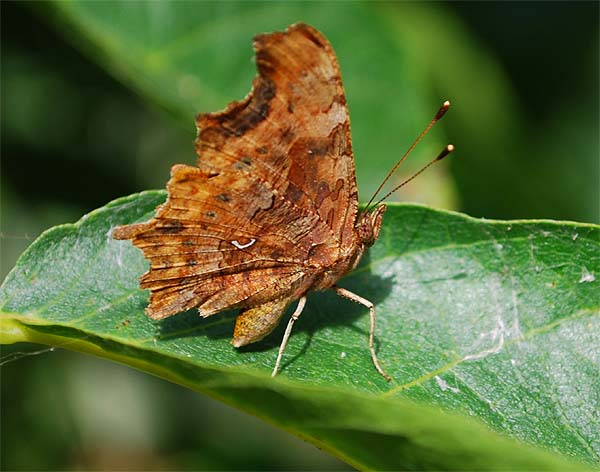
(366, 231)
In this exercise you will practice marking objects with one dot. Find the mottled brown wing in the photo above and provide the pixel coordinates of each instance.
(292, 130)
(207, 249)
(273, 199)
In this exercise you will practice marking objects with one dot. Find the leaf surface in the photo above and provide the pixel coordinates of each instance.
(496, 320)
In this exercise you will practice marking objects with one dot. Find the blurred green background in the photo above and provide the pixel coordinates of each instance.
(81, 127)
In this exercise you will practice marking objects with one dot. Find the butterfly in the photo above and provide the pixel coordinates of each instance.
(270, 212)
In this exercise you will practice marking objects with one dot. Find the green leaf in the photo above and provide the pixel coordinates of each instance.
(496, 320)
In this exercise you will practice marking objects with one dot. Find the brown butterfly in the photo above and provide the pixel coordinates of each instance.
(271, 211)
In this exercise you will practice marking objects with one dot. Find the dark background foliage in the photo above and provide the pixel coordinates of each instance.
(74, 138)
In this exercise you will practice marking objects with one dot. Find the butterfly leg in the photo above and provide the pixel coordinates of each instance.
(342, 292)
(288, 331)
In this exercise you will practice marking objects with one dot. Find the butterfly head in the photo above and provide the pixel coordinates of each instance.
(369, 225)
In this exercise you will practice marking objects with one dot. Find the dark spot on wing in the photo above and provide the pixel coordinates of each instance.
(223, 197)
(318, 147)
(287, 135)
(339, 185)
(243, 164)
(276, 254)
(267, 90)
(170, 227)
(329, 219)
(322, 193)
(293, 193)
(249, 113)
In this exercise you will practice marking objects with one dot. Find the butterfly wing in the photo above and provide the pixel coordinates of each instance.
(207, 250)
(292, 130)
(273, 199)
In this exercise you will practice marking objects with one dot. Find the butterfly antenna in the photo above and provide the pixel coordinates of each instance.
(447, 150)
(441, 112)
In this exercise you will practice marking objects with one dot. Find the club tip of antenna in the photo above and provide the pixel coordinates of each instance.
(447, 150)
(443, 109)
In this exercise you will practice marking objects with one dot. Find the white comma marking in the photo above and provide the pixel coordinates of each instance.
(243, 246)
